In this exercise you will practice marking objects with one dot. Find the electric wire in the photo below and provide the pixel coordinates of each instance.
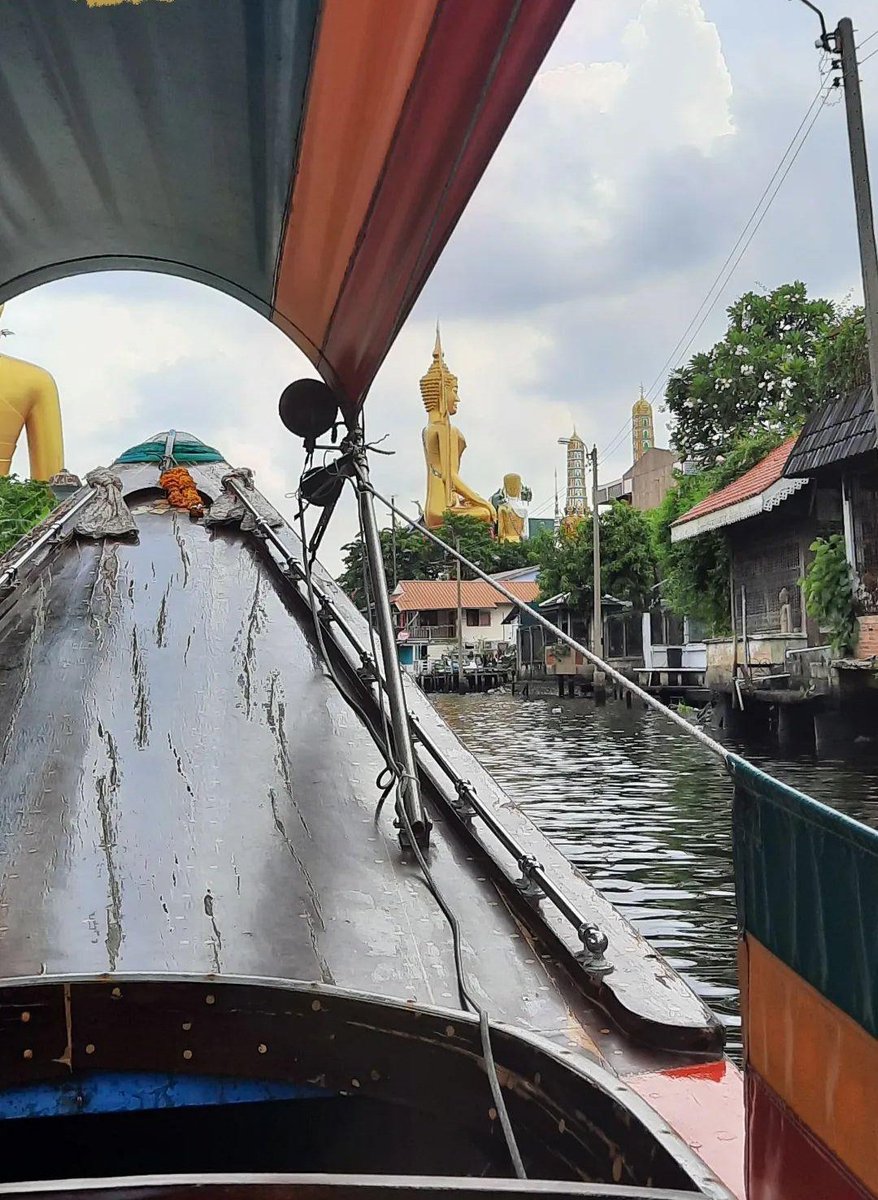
(722, 278)
(868, 56)
(744, 248)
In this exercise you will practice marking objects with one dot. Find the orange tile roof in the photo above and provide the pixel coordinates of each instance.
(412, 595)
(752, 483)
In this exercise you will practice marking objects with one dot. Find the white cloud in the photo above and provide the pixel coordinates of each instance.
(602, 219)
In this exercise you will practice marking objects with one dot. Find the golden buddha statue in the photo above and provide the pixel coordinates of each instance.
(29, 400)
(511, 504)
(443, 446)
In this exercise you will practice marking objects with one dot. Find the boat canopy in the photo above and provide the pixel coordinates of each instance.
(310, 157)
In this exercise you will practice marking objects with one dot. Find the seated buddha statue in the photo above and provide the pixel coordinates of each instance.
(29, 401)
(511, 503)
(443, 447)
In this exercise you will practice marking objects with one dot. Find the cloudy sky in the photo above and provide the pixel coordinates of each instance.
(621, 187)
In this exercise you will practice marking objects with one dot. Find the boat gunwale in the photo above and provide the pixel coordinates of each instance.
(533, 1069)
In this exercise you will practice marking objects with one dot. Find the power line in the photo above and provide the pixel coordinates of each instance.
(868, 56)
(756, 227)
(865, 41)
(719, 280)
(615, 442)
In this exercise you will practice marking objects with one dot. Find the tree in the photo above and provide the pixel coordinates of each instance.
(763, 375)
(415, 559)
(419, 558)
(695, 572)
(843, 355)
(628, 565)
(23, 504)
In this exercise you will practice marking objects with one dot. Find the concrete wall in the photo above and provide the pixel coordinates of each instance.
(763, 650)
(650, 478)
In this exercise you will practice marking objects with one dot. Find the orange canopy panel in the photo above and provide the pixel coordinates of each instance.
(310, 157)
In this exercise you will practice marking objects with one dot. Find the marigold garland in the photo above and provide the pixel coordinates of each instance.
(181, 489)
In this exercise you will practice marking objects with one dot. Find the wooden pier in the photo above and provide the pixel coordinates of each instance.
(483, 680)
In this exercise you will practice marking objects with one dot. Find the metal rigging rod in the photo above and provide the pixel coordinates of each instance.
(404, 753)
(645, 696)
(466, 803)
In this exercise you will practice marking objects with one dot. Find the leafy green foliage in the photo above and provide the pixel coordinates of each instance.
(763, 375)
(843, 356)
(829, 593)
(23, 504)
(695, 573)
(419, 558)
(628, 566)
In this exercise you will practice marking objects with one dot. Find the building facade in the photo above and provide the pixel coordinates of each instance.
(427, 618)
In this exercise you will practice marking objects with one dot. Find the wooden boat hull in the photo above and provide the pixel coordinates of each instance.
(188, 803)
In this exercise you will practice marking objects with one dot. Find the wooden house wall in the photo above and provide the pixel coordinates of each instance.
(769, 554)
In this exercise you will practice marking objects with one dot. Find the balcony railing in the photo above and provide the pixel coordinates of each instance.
(431, 633)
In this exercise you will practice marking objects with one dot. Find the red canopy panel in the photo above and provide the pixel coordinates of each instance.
(310, 157)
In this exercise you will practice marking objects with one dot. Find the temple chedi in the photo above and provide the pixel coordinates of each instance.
(576, 506)
(444, 445)
(642, 427)
(29, 401)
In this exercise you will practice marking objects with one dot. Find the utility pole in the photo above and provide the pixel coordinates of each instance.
(393, 541)
(460, 686)
(597, 639)
(842, 43)
(599, 686)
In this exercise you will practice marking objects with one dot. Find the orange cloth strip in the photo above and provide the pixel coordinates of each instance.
(367, 56)
(816, 1058)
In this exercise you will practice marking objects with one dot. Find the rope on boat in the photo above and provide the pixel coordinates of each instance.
(652, 701)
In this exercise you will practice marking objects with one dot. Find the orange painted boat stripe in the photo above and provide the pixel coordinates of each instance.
(366, 58)
(820, 1062)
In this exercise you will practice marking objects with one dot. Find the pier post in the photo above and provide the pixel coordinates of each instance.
(831, 733)
(794, 726)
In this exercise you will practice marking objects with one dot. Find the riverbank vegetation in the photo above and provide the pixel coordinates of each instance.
(23, 504)
(411, 555)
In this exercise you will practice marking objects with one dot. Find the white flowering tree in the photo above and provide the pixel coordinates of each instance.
(762, 376)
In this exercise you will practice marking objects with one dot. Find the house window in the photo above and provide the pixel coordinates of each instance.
(476, 617)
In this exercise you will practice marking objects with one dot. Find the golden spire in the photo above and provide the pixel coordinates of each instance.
(642, 428)
(438, 385)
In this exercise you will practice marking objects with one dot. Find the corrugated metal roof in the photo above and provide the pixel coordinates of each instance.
(752, 483)
(841, 429)
(412, 595)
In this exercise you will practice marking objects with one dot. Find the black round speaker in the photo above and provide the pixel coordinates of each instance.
(308, 408)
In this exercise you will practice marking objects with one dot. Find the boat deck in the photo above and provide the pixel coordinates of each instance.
(183, 790)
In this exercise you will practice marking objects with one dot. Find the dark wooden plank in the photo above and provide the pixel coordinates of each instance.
(325, 1187)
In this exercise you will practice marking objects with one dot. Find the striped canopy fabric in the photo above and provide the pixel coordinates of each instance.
(310, 157)
(806, 879)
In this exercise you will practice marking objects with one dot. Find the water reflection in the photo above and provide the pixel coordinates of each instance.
(645, 814)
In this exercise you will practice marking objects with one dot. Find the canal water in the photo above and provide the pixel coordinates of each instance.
(644, 812)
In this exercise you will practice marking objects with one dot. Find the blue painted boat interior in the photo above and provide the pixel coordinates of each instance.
(114, 1092)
